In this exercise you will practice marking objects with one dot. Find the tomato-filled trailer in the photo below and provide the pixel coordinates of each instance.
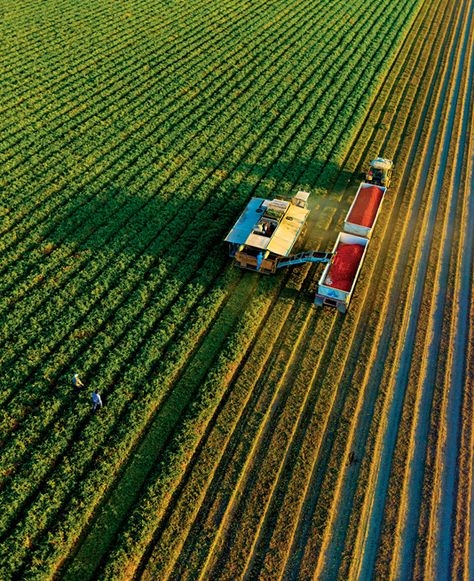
(339, 278)
(364, 211)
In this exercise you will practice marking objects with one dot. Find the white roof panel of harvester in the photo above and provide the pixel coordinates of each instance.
(271, 225)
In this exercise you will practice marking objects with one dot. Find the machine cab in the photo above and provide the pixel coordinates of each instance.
(300, 200)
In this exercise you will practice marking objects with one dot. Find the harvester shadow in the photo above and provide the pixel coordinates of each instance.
(117, 217)
(119, 222)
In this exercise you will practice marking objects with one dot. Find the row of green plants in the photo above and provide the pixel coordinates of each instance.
(199, 425)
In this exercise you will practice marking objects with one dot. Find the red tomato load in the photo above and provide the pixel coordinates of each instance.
(366, 206)
(344, 266)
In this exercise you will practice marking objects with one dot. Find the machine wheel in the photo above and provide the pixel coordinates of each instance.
(318, 302)
(342, 308)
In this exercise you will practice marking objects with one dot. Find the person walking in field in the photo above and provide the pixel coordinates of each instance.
(76, 382)
(96, 401)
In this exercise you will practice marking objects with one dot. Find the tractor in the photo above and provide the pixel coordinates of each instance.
(380, 172)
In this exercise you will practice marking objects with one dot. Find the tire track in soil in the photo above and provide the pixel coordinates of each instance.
(364, 559)
(405, 548)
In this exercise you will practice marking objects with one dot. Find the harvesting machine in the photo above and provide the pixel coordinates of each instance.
(267, 231)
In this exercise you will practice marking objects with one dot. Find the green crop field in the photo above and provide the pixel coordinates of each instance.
(134, 132)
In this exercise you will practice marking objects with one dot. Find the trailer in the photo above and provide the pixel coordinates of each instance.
(363, 213)
(268, 231)
(339, 278)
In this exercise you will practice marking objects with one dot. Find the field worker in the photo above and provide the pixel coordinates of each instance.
(259, 260)
(76, 381)
(96, 400)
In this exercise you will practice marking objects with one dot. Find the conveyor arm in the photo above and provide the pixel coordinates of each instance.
(302, 257)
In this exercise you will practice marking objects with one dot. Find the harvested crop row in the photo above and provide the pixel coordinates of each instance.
(461, 531)
(364, 417)
(436, 512)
